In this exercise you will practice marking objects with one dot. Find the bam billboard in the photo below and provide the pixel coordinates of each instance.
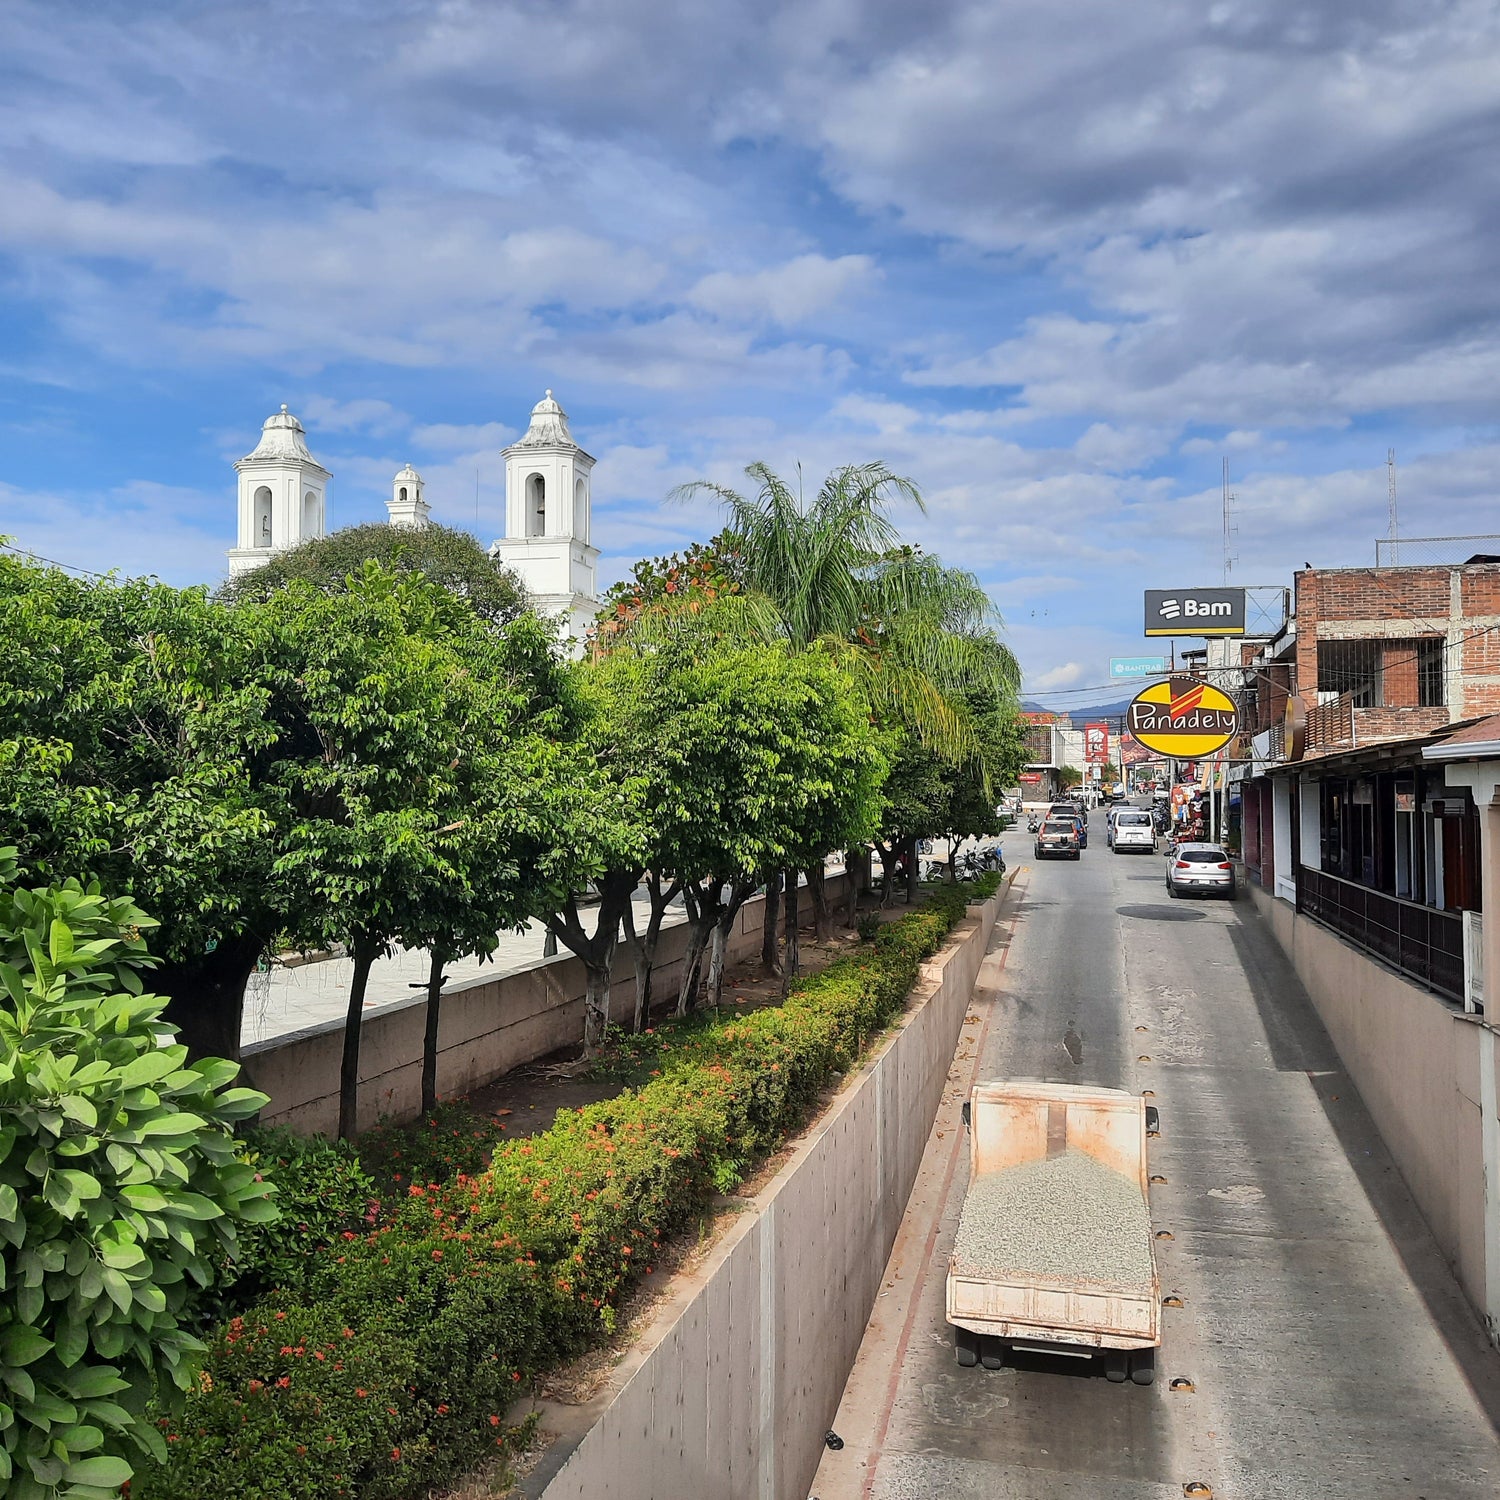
(1195, 611)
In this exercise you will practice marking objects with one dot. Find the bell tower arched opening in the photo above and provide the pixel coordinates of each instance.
(262, 530)
(536, 505)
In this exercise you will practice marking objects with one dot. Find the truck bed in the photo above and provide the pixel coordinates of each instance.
(1064, 1219)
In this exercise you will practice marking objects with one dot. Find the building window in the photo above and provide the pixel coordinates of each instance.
(536, 506)
(1352, 667)
(262, 535)
(1430, 685)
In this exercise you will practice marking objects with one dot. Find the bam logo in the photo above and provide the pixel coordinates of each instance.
(1196, 609)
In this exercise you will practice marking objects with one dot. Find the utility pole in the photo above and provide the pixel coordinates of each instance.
(1390, 493)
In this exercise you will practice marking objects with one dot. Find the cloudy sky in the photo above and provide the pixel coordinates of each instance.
(1054, 261)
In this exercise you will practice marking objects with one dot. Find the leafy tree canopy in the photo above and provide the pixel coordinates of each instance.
(450, 558)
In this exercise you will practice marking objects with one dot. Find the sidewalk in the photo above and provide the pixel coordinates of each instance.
(285, 1001)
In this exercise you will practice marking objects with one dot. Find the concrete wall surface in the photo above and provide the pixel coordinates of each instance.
(728, 1391)
(487, 1027)
(1424, 1069)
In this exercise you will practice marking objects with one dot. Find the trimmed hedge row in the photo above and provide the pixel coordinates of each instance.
(389, 1368)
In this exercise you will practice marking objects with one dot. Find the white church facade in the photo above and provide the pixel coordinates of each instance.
(548, 510)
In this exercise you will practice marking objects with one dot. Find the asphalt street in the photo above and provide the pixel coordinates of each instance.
(1326, 1349)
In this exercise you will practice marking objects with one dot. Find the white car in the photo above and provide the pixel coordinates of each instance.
(1130, 829)
(1200, 869)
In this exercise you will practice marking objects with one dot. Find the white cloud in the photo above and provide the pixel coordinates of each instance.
(1058, 677)
(786, 294)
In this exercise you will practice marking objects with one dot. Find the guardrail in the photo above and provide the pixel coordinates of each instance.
(1423, 943)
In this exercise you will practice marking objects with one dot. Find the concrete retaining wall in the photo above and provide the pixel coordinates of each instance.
(727, 1394)
(487, 1027)
(1419, 1064)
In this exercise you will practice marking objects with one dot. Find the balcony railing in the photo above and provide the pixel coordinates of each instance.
(1331, 723)
(1423, 943)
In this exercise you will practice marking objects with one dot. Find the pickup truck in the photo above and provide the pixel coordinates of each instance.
(1054, 1251)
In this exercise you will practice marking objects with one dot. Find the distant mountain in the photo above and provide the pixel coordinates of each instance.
(1080, 716)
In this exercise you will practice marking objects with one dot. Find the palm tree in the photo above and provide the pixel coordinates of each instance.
(917, 636)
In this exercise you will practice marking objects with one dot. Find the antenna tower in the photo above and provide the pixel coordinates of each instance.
(1390, 492)
(1230, 529)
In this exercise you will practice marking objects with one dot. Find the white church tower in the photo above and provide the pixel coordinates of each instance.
(548, 514)
(283, 493)
(406, 507)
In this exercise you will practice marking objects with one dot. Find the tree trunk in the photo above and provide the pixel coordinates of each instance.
(887, 873)
(703, 907)
(739, 893)
(596, 1005)
(817, 877)
(643, 947)
(365, 951)
(770, 911)
(913, 870)
(430, 1034)
(857, 877)
(206, 996)
(791, 956)
(953, 860)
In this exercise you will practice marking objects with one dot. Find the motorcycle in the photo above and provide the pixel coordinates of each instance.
(1032, 824)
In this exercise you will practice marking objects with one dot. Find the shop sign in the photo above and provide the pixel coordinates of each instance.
(1096, 744)
(1182, 717)
(1195, 611)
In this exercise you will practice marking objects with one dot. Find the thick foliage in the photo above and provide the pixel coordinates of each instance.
(391, 1370)
(120, 1186)
(452, 559)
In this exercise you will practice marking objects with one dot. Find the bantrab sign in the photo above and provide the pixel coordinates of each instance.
(1195, 611)
(1183, 717)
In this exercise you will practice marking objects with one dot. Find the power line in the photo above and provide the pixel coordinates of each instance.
(51, 562)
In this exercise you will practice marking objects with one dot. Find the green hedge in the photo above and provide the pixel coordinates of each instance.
(391, 1367)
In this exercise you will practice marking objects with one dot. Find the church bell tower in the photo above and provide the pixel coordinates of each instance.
(548, 517)
(282, 494)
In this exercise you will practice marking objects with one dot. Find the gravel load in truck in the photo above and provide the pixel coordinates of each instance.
(1063, 1218)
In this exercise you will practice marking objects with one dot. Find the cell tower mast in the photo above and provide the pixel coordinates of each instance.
(1229, 526)
(1390, 491)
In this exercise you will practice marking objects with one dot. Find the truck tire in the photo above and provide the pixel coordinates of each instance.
(1143, 1366)
(1116, 1366)
(966, 1347)
(992, 1353)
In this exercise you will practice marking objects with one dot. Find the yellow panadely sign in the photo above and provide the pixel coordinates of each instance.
(1182, 717)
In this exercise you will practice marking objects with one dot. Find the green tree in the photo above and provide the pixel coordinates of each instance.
(120, 1187)
(1070, 776)
(753, 757)
(450, 558)
(135, 729)
(421, 766)
(916, 636)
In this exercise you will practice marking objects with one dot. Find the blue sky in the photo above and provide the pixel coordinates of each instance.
(1054, 262)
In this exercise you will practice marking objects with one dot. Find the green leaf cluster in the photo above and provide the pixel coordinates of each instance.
(121, 1185)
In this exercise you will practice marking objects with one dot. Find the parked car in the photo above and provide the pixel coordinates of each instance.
(1058, 839)
(1204, 869)
(1130, 829)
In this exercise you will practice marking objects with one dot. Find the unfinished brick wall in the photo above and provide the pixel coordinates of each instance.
(1400, 606)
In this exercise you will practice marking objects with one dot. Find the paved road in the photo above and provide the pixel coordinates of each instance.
(1330, 1352)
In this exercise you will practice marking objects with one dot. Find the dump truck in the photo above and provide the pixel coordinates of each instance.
(1054, 1251)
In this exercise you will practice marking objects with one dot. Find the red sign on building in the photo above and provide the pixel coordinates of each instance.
(1096, 744)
